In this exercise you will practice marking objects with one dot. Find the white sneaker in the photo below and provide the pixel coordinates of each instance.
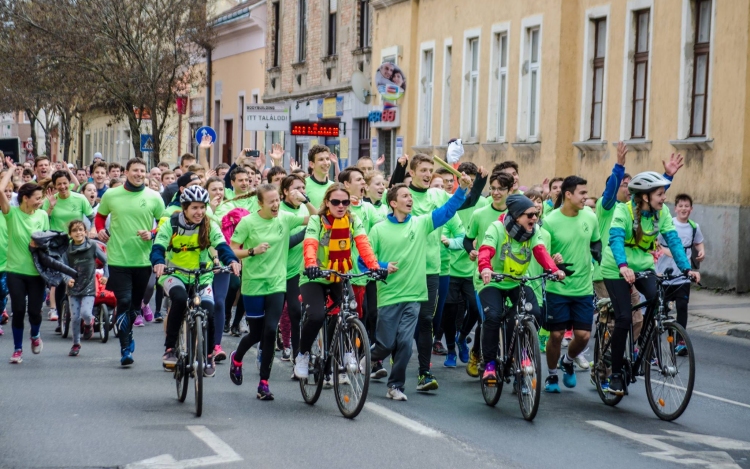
(581, 361)
(350, 362)
(344, 379)
(52, 314)
(564, 343)
(302, 366)
(244, 329)
(328, 382)
(396, 394)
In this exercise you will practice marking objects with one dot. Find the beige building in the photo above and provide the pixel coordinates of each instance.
(555, 85)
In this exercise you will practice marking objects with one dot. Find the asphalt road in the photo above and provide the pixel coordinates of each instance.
(58, 411)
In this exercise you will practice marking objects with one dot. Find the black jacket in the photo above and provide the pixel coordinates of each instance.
(48, 256)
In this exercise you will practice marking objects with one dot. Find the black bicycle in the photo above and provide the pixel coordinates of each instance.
(663, 354)
(191, 343)
(522, 358)
(345, 350)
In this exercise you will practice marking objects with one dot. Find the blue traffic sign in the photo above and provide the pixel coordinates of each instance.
(147, 142)
(205, 131)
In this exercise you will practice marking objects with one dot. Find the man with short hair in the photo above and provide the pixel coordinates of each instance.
(275, 175)
(169, 191)
(155, 173)
(167, 178)
(81, 175)
(316, 185)
(511, 168)
(42, 169)
(221, 170)
(99, 175)
(114, 170)
(129, 240)
(163, 165)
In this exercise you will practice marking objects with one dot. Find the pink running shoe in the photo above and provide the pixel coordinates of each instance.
(17, 357)
(148, 315)
(138, 321)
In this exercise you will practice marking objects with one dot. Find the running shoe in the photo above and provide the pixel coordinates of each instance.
(209, 368)
(396, 394)
(581, 361)
(302, 366)
(36, 345)
(569, 373)
(17, 357)
(472, 368)
(681, 349)
(286, 355)
(489, 373)
(126, 358)
(235, 332)
(344, 379)
(226, 329)
(169, 359)
(148, 315)
(450, 360)
(4, 318)
(439, 349)
(378, 372)
(616, 384)
(327, 382)
(567, 338)
(244, 329)
(552, 385)
(74, 350)
(58, 329)
(235, 369)
(158, 317)
(264, 394)
(524, 388)
(427, 382)
(138, 321)
(463, 350)
(88, 331)
(219, 354)
(52, 314)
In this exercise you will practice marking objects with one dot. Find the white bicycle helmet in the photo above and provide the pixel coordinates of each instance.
(194, 194)
(646, 182)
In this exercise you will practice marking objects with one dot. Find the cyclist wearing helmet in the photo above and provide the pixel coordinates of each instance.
(184, 242)
(635, 226)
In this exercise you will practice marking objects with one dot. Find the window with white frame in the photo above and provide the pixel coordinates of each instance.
(531, 71)
(425, 97)
(302, 30)
(498, 87)
(700, 63)
(471, 90)
(598, 52)
(446, 119)
(640, 73)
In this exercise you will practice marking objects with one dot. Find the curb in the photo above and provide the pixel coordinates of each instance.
(742, 332)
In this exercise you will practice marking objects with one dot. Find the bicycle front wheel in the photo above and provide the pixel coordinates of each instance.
(603, 364)
(670, 372)
(351, 370)
(493, 389)
(181, 373)
(198, 364)
(313, 384)
(528, 360)
(103, 323)
(65, 318)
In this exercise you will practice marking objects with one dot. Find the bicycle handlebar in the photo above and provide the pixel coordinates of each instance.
(524, 280)
(198, 272)
(666, 276)
(347, 276)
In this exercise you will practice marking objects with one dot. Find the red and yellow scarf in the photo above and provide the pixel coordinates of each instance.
(339, 251)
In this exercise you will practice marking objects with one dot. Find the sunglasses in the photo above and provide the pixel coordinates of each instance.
(336, 202)
(532, 214)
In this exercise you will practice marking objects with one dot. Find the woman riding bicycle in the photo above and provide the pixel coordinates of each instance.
(507, 249)
(328, 244)
(184, 242)
(635, 226)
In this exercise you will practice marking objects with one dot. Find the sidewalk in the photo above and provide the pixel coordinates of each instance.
(720, 313)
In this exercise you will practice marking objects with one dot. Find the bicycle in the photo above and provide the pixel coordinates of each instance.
(191, 344)
(525, 364)
(349, 351)
(653, 355)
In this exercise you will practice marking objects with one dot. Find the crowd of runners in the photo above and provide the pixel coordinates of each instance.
(437, 234)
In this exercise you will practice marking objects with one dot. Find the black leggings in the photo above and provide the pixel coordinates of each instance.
(128, 283)
(235, 284)
(680, 294)
(262, 329)
(179, 297)
(23, 287)
(619, 293)
(371, 309)
(314, 297)
(493, 302)
(294, 308)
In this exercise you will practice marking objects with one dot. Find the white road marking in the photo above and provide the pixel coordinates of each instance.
(224, 454)
(405, 422)
(708, 459)
(710, 396)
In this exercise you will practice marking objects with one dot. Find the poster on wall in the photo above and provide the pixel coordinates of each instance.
(391, 83)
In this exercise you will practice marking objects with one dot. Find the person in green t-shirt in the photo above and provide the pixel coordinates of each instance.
(132, 209)
(4, 260)
(574, 236)
(184, 241)
(507, 248)
(261, 240)
(635, 227)
(400, 240)
(317, 183)
(24, 282)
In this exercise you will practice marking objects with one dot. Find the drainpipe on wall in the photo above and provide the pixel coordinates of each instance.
(209, 103)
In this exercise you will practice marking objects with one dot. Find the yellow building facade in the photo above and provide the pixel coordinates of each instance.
(555, 85)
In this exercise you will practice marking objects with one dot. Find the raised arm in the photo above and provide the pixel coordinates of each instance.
(4, 202)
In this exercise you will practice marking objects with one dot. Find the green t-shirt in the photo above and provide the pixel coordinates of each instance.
(316, 191)
(75, 207)
(461, 265)
(228, 194)
(369, 216)
(315, 231)
(265, 273)
(496, 237)
(403, 243)
(451, 230)
(3, 242)
(638, 259)
(163, 238)
(479, 223)
(130, 212)
(424, 203)
(20, 227)
(572, 238)
(604, 218)
(295, 261)
(535, 269)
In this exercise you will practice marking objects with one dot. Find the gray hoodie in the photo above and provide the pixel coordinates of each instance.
(83, 258)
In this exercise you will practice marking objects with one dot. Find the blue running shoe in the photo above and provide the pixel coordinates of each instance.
(681, 349)
(551, 385)
(235, 370)
(127, 357)
(569, 374)
(450, 360)
(463, 350)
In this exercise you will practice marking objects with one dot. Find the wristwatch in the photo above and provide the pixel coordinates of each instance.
(251, 252)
